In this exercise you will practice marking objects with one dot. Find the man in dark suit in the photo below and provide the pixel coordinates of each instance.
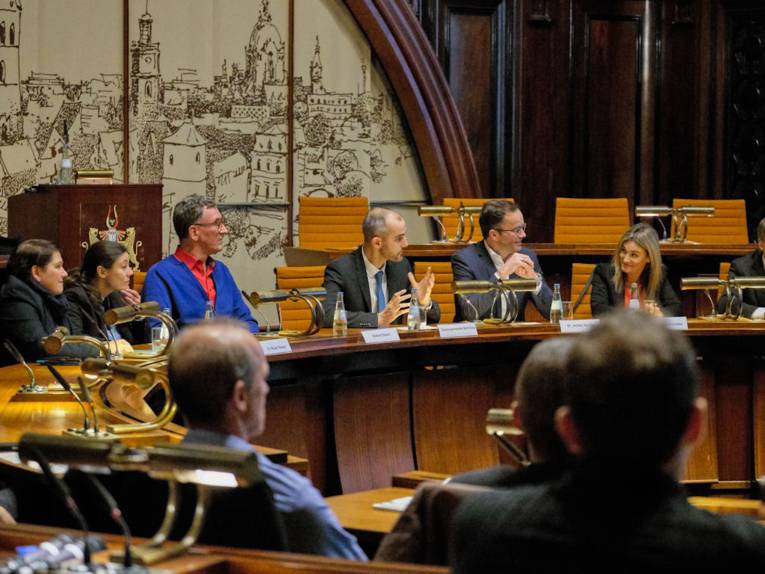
(750, 265)
(631, 419)
(376, 279)
(499, 256)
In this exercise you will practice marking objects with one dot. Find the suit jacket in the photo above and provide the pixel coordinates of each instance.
(750, 265)
(474, 263)
(348, 274)
(605, 297)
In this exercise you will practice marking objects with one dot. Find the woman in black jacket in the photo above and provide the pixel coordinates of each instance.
(102, 282)
(637, 259)
(32, 304)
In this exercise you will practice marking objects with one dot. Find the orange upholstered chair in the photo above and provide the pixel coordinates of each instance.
(442, 291)
(591, 220)
(139, 278)
(295, 315)
(450, 221)
(727, 226)
(580, 274)
(331, 223)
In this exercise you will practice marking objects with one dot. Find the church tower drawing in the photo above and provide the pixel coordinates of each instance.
(10, 91)
(317, 85)
(144, 70)
(265, 63)
(185, 163)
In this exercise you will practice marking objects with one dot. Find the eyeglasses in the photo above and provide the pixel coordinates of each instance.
(514, 230)
(218, 223)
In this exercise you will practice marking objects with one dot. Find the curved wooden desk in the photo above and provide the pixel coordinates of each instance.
(363, 413)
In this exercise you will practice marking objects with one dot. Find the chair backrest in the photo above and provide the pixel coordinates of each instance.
(330, 222)
(295, 315)
(451, 221)
(727, 226)
(442, 291)
(422, 534)
(139, 278)
(580, 274)
(591, 221)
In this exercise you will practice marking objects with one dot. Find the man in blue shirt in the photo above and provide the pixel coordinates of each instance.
(190, 281)
(218, 373)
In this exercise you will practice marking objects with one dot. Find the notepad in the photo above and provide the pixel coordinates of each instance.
(396, 505)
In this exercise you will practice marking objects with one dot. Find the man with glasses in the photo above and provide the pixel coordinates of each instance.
(499, 256)
(190, 281)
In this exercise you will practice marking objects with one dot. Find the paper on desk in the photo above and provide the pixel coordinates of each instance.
(396, 505)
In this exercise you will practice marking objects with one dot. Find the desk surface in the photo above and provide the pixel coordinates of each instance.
(356, 513)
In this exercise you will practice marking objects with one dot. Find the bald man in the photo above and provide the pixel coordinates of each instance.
(218, 374)
(376, 279)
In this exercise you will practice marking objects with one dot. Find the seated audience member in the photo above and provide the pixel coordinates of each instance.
(32, 304)
(631, 419)
(499, 256)
(376, 279)
(185, 281)
(750, 265)
(218, 374)
(102, 282)
(539, 393)
(637, 259)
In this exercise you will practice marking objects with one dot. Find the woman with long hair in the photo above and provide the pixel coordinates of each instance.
(636, 260)
(102, 282)
(32, 303)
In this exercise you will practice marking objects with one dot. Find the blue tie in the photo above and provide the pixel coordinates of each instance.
(379, 291)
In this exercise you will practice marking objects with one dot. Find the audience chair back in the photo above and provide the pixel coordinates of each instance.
(442, 291)
(591, 221)
(451, 221)
(294, 314)
(139, 278)
(580, 275)
(330, 222)
(727, 226)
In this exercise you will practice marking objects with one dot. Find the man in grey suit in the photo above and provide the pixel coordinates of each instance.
(750, 265)
(499, 256)
(376, 279)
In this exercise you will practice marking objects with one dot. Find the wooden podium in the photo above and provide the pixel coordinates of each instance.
(73, 215)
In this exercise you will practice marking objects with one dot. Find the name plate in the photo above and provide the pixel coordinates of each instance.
(375, 336)
(578, 325)
(275, 346)
(676, 323)
(455, 330)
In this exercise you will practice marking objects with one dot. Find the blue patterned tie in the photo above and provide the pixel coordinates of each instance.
(380, 294)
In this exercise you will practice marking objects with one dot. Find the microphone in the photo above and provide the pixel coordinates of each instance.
(114, 512)
(32, 386)
(265, 319)
(68, 388)
(85, 392)
(65, 495)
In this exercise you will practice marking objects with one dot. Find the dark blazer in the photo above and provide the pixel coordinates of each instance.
(348, 274)
(88, 318)
(605, 297)
(474, 263)
(28, 313)
(750, 265)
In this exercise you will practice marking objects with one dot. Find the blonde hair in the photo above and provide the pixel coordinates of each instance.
(646, 237)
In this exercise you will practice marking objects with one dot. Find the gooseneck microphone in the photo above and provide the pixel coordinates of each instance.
(32, 387)
(68, 388)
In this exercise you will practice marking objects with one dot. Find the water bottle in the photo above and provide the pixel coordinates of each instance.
(556, 308)
(164, 333)
(340, 320)
(634, 299)
(414, 318)
(209, 310)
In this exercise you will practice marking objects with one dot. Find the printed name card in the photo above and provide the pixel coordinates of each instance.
(374, 336)
(455, 330)
(676, 323)
(578, 325)
(275, 346)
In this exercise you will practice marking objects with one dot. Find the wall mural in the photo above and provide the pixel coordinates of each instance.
(208, 110)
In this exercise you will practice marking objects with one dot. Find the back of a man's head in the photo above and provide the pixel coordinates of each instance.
(206, 360)
(631, 386)
(539, 392)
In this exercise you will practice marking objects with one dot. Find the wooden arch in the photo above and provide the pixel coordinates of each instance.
(403, 50)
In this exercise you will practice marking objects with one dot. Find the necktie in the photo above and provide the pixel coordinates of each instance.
(379, 293)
